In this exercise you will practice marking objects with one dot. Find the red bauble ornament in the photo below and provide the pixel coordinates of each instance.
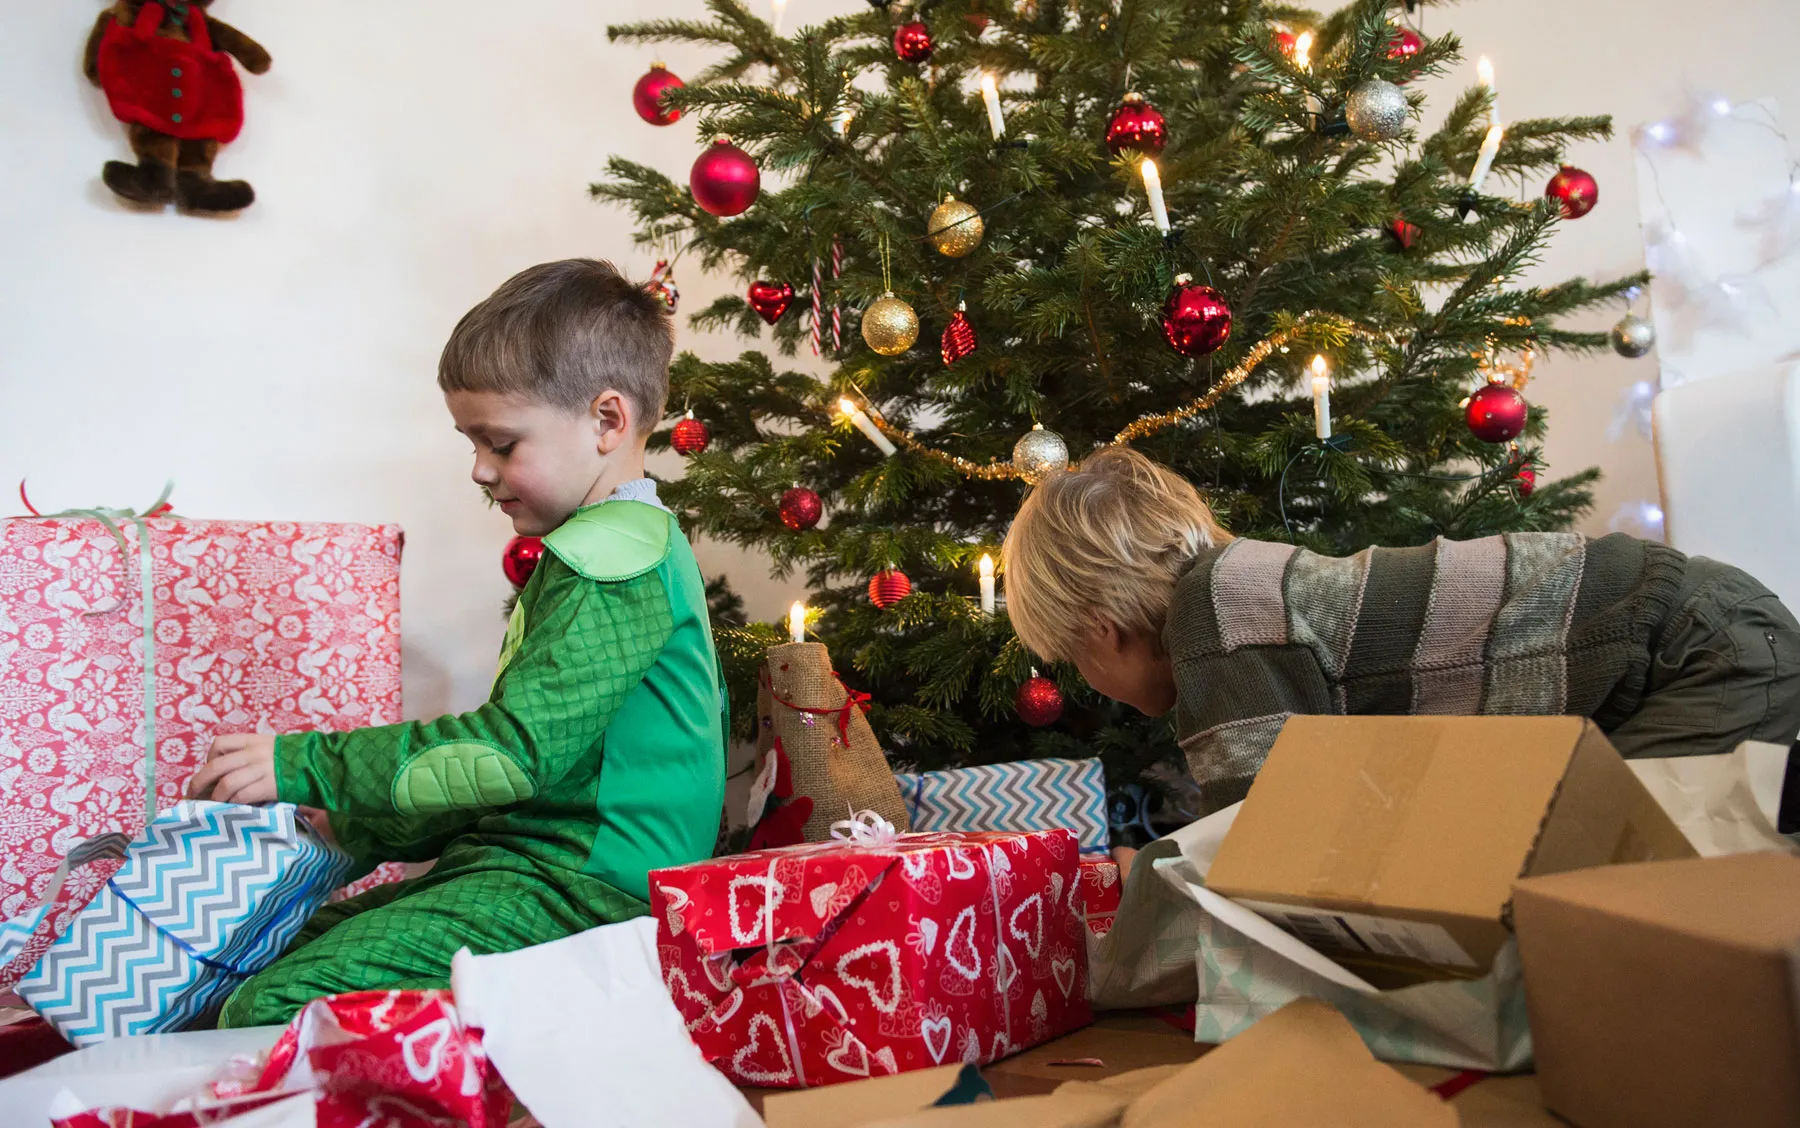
(959, 337)
(1403, 233)
(1039, 702)
(1284, 41)
(770, 299)
(800, 509)
(646, 96)
(690, 436)
(521, 558)
(888, 587)
(912, 42)
(1195, 319)
(1525, 480)
(1136, 125)
(724, 179)
(1405, 44)
(1575, 190)
(1496, 413)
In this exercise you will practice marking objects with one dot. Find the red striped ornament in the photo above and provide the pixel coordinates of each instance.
(959, 337)
(888, 587)
(837, 311)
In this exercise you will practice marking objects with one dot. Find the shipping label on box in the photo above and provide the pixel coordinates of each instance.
(816, 964)
(249, 626)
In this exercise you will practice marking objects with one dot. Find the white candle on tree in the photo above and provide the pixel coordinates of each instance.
(866, 425)
(1303, 59)
(797, 622)
(1485, 160)
(1321, 388)
(1159, 214)
(990, 94)
(987, 584)
(780, 7)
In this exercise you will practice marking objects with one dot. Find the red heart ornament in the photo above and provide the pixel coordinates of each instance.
(770, 299)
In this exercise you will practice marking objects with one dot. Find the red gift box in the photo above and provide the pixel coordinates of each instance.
(814, 964)
(397, 1059)
(1100, 892)
(271, 627)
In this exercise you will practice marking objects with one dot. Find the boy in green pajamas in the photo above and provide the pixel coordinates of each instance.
(599, 754)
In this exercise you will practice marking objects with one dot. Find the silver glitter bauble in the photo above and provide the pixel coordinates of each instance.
(1376, 110)
(1633, 336)
(1039, 453)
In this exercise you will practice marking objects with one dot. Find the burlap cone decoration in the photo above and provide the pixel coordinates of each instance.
(816, 758)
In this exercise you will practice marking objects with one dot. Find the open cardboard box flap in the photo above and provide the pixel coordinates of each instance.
(1397, 840)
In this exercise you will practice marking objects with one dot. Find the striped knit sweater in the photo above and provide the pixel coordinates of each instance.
(1525, 623)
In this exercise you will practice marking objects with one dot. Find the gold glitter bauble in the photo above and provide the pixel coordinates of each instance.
(890, 325)
(954, 228)
(1039, 454)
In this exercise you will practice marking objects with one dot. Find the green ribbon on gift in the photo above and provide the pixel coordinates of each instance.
(111, 519)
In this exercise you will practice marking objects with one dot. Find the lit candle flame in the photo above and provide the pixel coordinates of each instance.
(845, 406)
(1485, 70)
(797, 622)
(990, 97)
(987, 566)
(1303, 50)
(1318, 366)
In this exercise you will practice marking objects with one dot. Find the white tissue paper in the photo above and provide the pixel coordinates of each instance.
(586, 1036)
(149, 1071)
(1725, 804)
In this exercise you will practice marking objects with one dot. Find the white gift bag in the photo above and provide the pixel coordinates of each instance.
(1725, 803)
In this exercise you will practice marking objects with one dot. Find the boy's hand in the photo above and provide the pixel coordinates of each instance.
(240, 768)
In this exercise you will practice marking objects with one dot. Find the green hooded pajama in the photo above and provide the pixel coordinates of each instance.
(598, 757)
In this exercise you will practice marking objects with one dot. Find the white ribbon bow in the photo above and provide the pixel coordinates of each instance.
(866, 829)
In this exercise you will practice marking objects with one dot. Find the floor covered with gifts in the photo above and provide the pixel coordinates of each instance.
(1117, 1044)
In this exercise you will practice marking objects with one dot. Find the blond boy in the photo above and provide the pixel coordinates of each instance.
(1120, 568)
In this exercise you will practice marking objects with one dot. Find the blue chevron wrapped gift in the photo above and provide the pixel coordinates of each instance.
(1026, 795)
(209, 894)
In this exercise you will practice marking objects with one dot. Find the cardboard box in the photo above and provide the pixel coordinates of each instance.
(1668, 993)
(1393, 842)
(1303, 1065)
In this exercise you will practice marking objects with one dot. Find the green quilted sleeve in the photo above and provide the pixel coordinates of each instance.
(373, 839)
(586, 645)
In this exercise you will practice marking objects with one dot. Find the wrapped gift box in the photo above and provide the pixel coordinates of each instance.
(269, 627)
(821, 963)
(1100, 891)
(209, 893)
(398, 1059)
(1023, 795)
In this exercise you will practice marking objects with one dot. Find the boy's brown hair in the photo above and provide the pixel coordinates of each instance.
(1106, 541)
(561, 333)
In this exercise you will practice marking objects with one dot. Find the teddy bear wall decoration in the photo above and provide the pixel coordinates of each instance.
(166, 69)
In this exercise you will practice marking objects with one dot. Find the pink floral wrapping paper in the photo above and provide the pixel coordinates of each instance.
(259, 627)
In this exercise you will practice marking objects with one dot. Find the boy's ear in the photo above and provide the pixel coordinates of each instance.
(614, 420)
(1105, 636)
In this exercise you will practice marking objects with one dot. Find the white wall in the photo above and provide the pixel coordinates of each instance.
(408, 156)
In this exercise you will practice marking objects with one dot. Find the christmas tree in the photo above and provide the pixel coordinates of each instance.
(1021, 233)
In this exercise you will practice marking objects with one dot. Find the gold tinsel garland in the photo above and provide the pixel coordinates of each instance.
(1146, 425)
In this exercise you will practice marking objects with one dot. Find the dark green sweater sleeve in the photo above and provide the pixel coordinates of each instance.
(584, 646)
